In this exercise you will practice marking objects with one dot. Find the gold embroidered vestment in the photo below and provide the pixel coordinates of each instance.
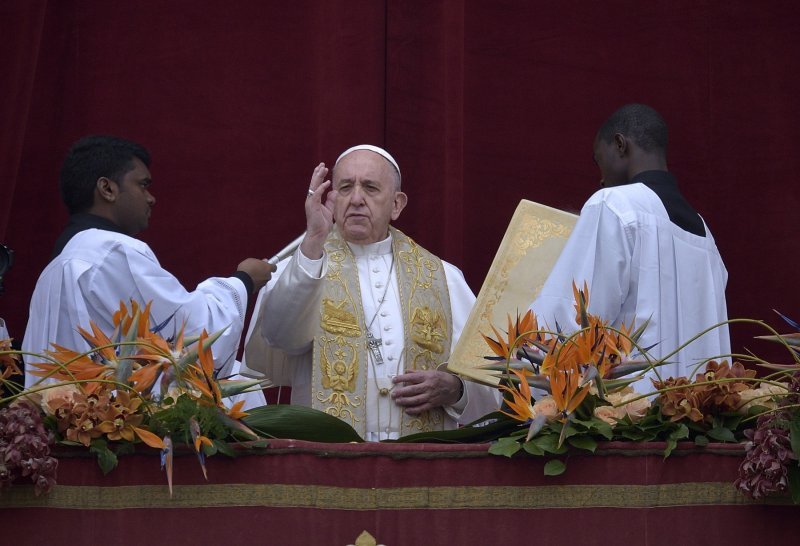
(341, 365)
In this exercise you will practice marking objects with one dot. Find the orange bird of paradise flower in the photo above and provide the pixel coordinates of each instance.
(523, 331)
(564, 373)
(521, 404)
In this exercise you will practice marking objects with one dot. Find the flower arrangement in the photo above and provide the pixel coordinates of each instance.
(572, 391)
(131, 387)
(137, 388)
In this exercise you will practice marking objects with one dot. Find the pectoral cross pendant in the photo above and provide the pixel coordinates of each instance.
(374, 344)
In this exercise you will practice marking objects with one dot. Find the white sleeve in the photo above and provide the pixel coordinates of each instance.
(291, 302)
(134, 272)
(478, 400)
(597, 252)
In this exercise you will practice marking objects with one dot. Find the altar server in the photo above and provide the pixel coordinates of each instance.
(644, 252)
(97, 263)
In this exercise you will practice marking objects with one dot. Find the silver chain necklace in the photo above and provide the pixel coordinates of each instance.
(373, 343)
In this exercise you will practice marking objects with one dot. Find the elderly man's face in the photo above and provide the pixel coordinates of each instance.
(367, 197)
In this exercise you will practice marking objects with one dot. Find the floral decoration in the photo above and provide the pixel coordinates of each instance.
(131, 387)
(571, 391)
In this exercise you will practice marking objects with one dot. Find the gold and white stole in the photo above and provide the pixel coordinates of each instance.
(340, 370)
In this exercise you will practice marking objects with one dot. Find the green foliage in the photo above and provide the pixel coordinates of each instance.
(106, 458)
(219, 447)
(593, 425)
(680, 432)
(533, 448)
(554, 468)
(583, 442)
(721, 434)
(584, 431)
(505, 446)
(548, 443)
(486, 429)
(174, 421)
(299, 423)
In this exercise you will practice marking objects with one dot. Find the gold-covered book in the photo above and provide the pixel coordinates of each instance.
(529, 249)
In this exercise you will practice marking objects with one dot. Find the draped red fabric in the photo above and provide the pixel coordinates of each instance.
(482, 103)
(303, 493)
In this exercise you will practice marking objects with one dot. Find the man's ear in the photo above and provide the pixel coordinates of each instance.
(621, 144)
(400, 202)
(107, 189)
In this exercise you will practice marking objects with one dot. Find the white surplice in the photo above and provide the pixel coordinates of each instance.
(638, 266)
(99, 268)
(281, 334)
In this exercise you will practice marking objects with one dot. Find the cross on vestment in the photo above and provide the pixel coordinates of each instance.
(374, 344)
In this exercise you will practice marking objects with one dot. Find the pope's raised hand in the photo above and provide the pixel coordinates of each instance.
(319, 213)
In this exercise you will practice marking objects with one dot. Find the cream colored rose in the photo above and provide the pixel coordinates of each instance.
(765, 395)
(775, 390)
(635, 409)
(625, 403)
(609, 414)
(547, 407)
(617, 398)
(57, 392)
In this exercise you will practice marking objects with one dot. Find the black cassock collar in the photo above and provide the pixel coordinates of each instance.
(680, 212)
(80, 222)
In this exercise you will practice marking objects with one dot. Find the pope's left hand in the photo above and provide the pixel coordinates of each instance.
(425, 390)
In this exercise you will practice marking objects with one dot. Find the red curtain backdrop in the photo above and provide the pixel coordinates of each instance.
(483, 103)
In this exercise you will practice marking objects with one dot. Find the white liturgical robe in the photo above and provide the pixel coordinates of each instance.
(287, 313)
(99, 268)
(638, 266)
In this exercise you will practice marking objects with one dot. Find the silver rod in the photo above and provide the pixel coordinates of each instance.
(287, 250)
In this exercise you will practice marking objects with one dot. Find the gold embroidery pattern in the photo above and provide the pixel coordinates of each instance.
(425, 422)
(340, 350)
(428, 329)
(337, 320)
(338, 363)
(338, 385)
(533, 232)
(428, 324)
(339, 316)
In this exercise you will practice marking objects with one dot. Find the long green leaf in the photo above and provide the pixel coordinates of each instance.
(299, 423)
(470, 434)
(232, 387)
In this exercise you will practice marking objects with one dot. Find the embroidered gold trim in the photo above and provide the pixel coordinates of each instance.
(320, 497)
(340, 345)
